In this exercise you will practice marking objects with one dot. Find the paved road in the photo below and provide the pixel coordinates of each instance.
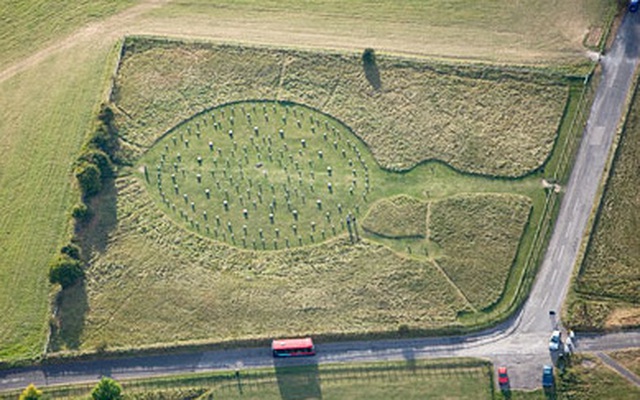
(520, 343)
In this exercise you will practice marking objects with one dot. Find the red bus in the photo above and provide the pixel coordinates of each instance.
(293, 347)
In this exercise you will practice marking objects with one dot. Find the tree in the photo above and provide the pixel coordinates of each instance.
(65, 271)
(71, 250)
(89, 178)
(31, 393)
(107, 389)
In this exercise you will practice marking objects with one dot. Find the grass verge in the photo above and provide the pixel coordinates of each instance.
(435, 379)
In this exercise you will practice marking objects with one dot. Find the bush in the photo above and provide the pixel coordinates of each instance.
(65, 271)
(105, 136)
(107, 389)
(89, 178)
(100, 159)
(30, 393)
(71, 250)
(369, 56)
(81, 212)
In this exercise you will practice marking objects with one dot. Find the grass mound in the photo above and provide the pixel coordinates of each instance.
(478, 235)
(477, 119)
(397, 217)
(261, 175)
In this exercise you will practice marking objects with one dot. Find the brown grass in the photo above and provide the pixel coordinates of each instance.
(478, 235)
(156, 283)
(478, 119)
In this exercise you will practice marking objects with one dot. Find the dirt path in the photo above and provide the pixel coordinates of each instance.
(106, 30)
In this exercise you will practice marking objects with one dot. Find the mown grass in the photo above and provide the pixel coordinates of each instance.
(535, 32)
(608, 285)
(478, 119)
(261, 175)
(42, 125)
(30, 25)
(397, 217)
(411, 379)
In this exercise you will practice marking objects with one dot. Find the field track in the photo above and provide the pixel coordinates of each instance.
(280, 26)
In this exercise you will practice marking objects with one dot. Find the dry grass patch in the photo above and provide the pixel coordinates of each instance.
(398, 217)
(479, 236)
(476, 118)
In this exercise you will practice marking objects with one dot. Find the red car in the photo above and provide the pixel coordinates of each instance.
(503, 378)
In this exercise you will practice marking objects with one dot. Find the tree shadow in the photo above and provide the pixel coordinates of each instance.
(72, 307)
(93, 235)
(370, 67)
(410, 358)
(297, 379)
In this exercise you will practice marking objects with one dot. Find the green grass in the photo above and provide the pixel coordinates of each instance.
(608, 288)
(28, 26)
(533, 32)
(262, 176)
(397, 217)
(433, 379)
(478, 119)
(42, 124)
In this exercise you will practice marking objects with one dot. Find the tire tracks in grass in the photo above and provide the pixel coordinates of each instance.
(106, 30)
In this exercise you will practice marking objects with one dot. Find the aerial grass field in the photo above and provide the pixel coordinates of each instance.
(36, 188)
(532, 32)
(478, 119)
(48, 104)
(239, 217)
(607, 288)
(30, 25)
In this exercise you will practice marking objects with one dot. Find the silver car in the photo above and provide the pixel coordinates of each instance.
(555, 341)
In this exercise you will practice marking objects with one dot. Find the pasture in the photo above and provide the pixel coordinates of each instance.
(48, 102)
(607, 291)
(28, 26)
(535, 32)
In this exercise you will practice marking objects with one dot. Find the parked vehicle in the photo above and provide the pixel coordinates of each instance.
(634, 5)
(293, 347)
(547, 376)
(555, 341)
(503, 377)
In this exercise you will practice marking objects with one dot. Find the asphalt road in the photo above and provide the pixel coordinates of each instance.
(520, 343)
